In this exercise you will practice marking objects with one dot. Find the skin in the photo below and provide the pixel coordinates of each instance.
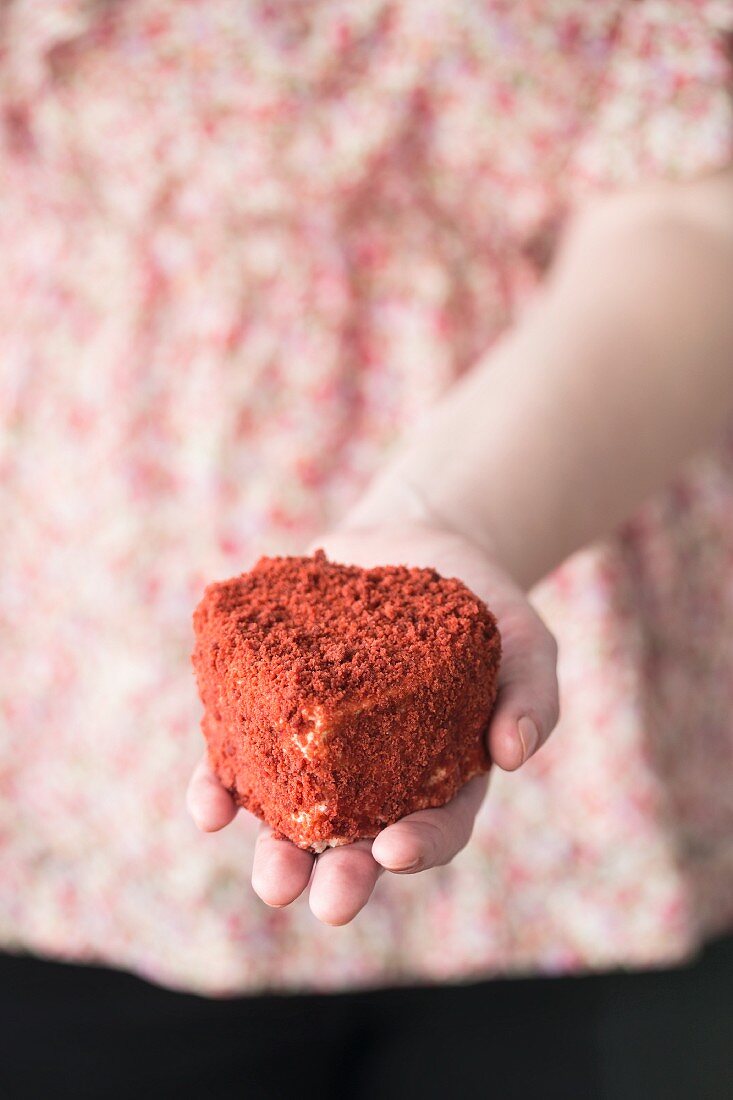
(342, 879)
(620, 372)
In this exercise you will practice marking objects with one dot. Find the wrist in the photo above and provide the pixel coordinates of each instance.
(399, 498)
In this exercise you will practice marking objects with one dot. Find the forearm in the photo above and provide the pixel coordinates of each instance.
(622, 370)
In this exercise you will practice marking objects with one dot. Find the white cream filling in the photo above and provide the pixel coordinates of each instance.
(309, 741)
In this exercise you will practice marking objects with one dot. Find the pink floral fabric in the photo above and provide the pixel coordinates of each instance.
(243, 246)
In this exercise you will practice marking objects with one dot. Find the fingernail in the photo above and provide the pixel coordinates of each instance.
(529, 737)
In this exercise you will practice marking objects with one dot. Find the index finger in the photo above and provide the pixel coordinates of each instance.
(209, 804)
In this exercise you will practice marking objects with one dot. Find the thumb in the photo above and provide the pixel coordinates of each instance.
(527, 706)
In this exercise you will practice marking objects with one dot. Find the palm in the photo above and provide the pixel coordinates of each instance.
(343, 878)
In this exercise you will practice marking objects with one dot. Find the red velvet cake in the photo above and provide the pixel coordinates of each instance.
(338, 699)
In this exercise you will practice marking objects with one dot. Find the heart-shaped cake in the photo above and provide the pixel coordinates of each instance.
(338, 699)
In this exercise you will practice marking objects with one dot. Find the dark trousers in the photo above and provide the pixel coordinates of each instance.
(69, 1031)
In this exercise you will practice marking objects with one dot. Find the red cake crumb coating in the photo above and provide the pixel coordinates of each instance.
(338, 699)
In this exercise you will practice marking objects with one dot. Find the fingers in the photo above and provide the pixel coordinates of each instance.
(280, 870)
(343, 882)
(430, 838)
(527, 707)
(209, 804)
(344, 877)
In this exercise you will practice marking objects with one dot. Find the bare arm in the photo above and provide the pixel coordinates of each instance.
(621, 371)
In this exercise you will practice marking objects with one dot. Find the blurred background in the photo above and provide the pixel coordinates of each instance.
(245, 245)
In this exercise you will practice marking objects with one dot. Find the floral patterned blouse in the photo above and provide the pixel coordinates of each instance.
(244, 243)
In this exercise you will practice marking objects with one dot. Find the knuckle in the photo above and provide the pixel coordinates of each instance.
(549, 717)
(542, 637)
(431, 838)
(554, 715)
(551, 645)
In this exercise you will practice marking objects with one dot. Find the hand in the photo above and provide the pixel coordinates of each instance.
(342, 879)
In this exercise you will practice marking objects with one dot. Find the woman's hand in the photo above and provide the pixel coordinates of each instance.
(342, 879)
